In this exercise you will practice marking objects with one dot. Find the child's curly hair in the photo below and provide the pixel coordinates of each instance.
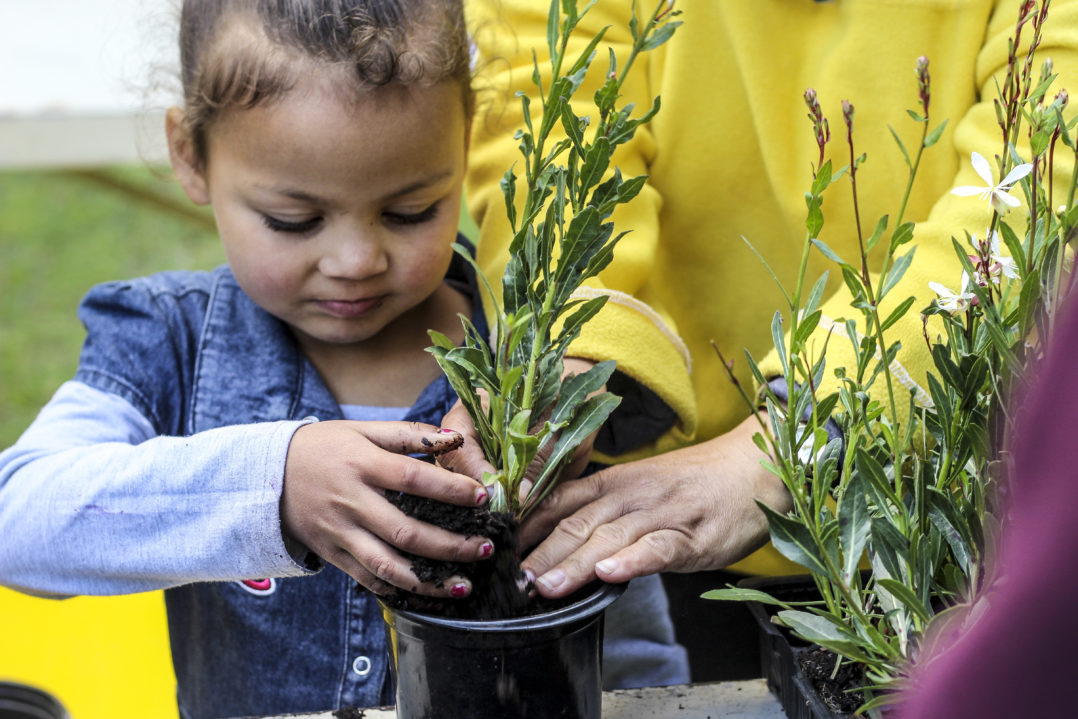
(240, 53)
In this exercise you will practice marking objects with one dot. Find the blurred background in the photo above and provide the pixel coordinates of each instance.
(84, 198)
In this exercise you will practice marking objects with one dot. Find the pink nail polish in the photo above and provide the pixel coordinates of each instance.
(443, 430)
(480, 496)
(485, 550)
(458, 590)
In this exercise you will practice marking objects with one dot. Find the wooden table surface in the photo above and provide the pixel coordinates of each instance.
(726, 700)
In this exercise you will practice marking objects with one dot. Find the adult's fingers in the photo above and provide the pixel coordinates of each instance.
(601, 528)
(688, 510)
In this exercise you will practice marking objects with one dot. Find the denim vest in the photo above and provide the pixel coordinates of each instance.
(205, 356)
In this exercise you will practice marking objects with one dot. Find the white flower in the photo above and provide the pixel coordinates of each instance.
(1001, 264)
(995, 194)
(953, 302)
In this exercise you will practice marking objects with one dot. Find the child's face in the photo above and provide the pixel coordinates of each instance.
(338, 217)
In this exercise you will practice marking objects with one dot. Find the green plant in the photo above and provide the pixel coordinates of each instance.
(912, 488)
(511, 384)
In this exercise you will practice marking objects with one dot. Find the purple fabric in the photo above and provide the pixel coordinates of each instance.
(1019, 658)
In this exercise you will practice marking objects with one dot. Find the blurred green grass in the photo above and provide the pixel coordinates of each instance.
(60, 234)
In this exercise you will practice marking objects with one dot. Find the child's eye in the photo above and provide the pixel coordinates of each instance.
(298, 228)
(401, 218)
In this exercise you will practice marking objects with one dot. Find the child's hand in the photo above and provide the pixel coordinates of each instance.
(333, 501)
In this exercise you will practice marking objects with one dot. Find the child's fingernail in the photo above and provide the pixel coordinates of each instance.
(607, 566)
(443, 430)
(552, 580)
(459, 590)
(485, 550)
(481, 495)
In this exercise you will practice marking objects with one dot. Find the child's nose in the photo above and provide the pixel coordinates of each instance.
(353, 254)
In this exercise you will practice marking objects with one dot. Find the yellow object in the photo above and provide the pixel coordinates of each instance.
(729, 158)
(102, 657)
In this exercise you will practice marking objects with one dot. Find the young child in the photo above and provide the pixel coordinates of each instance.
(196, 448)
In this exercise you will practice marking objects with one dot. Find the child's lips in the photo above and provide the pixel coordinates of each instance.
(348, 309)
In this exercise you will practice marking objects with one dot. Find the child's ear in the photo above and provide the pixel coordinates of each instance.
(185, 163)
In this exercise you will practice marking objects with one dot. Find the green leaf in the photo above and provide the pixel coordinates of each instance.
(806, 327)
(877, 482)
(739, 594)
(508, 185)
(816, 295)
(933, 137)
(814, 219)
(778, 337)
(901, 146)
(588, 53)
(590, 416)
(596, 161)
(793, 540)
(905, 595)
(576, 389)
(1038, 144)
(824, 631)
(476, 363)
(571, 327)
(889, 547)
(946, 520)
(898, 313)
(607, 95)
(661, 35)
(828, 252)
(552, 35)
(881, 225)
(770, 271)
(440, 340)
(822, 179)
(902, 234)
(898, 269)
(571, 123)
(949, 372)
(1013, 244)
(510, 380)
(855, 525)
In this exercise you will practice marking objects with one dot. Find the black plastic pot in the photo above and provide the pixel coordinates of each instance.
(19, 701)
(544, 666)
(779, 650)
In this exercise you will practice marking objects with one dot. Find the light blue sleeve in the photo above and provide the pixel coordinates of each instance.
(93, 502)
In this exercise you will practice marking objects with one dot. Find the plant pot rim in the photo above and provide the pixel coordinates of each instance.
(593, 603)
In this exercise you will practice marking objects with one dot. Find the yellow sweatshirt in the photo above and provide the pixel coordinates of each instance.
(729, 159)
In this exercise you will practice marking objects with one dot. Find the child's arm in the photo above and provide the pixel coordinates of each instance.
(92, 501)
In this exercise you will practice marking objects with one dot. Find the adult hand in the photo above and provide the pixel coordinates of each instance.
(684, 511)
(333, 501)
